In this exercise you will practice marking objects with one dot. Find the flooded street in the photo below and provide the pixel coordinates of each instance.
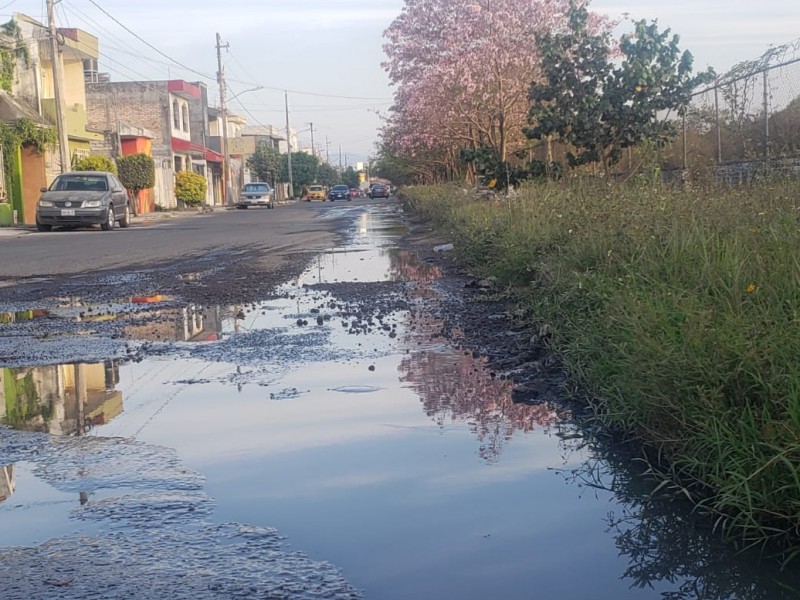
(325, 442)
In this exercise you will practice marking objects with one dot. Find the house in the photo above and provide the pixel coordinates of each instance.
(174, 113)
(33, 97)
(239, 147)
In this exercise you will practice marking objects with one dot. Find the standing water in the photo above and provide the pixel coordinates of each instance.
(328, 443)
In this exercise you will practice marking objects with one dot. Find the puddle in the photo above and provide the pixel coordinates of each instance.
(327, 443)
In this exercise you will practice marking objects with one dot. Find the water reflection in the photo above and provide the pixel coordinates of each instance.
(190, 323)
(60, 399)
(22, 316)
(7, 482)
(454, 386)
(665, 540)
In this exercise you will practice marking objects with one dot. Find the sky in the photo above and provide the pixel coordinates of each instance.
(327, 53)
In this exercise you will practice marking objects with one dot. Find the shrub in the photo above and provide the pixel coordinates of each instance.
(96, 162)
(137, 172)
(190, 188)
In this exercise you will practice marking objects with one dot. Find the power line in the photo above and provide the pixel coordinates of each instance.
(148, 44)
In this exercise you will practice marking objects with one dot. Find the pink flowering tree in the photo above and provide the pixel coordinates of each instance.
(462, 70)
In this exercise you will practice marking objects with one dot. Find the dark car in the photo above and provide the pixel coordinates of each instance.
(256, 193)
(339, 192)
(379, 191)
(80, 198)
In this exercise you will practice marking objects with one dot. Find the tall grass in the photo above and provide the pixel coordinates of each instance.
(679, 311)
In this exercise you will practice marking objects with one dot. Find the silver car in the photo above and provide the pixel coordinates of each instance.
(257, 194)
(80, 198)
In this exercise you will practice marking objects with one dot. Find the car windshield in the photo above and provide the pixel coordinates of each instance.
(256, 187)
(341, 188)
(80, 183)
(315, 188)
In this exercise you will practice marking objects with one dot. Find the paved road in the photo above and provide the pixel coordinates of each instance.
(288, 228)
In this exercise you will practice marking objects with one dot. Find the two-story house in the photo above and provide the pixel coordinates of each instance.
(175, 113)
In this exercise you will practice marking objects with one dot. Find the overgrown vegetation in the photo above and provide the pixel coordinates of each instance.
(12, 50)
(678, 311)
(190, 188)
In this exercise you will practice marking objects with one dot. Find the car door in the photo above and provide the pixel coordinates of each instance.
(118, 196)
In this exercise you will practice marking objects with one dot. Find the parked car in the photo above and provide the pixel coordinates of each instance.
(315, 192)
(355, 193)
(257, 193)
(379, 190)
(339, 192)
(81, 198)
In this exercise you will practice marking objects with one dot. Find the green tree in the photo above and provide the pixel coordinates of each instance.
(598, 103)
(327, 175)
(190, 188)
(265, 163)
(350, 177)
(137, 172)
(304, 169)
(95, 162)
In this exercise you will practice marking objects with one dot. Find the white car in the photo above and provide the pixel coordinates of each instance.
(257, 193)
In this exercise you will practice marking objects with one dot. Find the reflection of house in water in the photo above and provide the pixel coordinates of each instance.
(7, 483)
(187, 324)
(60, 399)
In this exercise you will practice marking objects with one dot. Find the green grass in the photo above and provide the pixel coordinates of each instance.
(678, 310)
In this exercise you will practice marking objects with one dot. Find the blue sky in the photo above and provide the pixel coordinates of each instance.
(327, 53)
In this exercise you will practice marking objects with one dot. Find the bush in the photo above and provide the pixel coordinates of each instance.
(190, 188)
(96, 162)
(137, 172)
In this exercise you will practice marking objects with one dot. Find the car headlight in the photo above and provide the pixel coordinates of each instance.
(92, 203)
(45, 203)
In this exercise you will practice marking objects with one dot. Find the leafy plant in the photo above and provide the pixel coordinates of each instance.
(190, 188)
(600, 105)
(137, 172)
(265, 163)
(10, 55)
(96, 162)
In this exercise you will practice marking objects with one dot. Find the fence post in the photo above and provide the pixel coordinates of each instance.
(766, 113)
(717, 119)
(685, 145)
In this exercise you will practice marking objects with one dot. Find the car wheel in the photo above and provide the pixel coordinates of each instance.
(42, 227)
(125, 221)
(110, 221)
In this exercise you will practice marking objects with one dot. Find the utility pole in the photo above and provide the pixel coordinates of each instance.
(340, 158)
(223, 113)
(289, 146)
(327, 150)
(58, 86)
(313, 149)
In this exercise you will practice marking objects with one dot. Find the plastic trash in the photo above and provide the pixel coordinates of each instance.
(443, 248)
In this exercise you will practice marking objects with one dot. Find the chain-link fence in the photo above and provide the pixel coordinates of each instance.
(748, 121)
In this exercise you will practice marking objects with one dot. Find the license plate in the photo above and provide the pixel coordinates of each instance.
(67, 212)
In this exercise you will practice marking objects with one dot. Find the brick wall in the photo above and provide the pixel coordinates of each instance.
(137, 103)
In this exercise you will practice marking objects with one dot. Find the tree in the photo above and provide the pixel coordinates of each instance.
(96, 162)
(350, 177)
(137, 172)
(190, 188)
(304, 169)
(265, 163)
(462, 70)
(599, 104)
(327, 175)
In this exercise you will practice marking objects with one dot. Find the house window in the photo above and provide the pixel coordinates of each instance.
(176, 115)
(185, 112)
(178, 164)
